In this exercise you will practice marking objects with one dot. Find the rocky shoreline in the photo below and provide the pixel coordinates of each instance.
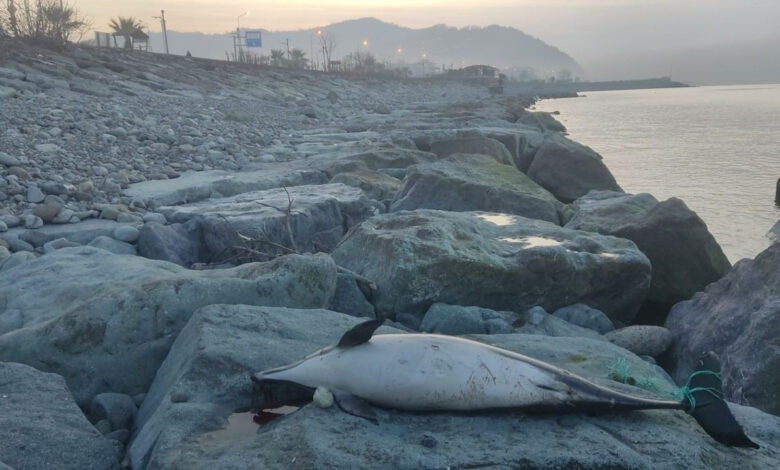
(168, 225)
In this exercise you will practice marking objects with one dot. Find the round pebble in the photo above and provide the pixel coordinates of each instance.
(126, 233)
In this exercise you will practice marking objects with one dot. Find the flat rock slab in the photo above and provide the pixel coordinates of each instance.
(197, 186)
(738, 317)
(318, 218)
(92, 316)
(497, 261)
(375, 185)
(209, 366)
(684, 254)
(475, 183)
(375, 159)
(315, 438)
(205, 425)
(82, 232)
(41, 427)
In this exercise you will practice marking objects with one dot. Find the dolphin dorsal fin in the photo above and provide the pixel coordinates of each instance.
(359, 333)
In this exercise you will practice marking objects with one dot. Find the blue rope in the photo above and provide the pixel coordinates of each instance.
(687, 392)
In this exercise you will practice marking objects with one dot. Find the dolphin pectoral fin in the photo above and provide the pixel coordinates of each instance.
(359, 333)
(354, 405)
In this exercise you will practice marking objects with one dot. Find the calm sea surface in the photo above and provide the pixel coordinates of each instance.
(716, 148)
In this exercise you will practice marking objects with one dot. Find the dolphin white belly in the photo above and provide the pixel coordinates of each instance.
(428, 372)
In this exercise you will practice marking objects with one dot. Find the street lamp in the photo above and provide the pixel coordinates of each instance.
(365, 42)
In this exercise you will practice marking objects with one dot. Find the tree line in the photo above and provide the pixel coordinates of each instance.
(57, 22)
(52, 21)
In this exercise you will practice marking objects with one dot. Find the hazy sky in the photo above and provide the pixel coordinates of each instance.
(587, 29)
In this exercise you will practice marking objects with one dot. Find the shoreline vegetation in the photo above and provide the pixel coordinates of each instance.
(169, 225)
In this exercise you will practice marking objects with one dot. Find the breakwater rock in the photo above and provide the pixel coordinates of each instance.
(169, 225)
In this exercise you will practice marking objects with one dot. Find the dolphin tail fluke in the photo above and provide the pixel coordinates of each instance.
(703, 397)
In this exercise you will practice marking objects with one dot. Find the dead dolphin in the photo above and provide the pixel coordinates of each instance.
(425, 372)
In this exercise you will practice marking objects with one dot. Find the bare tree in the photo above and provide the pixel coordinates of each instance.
(48, 20)
(327, 45)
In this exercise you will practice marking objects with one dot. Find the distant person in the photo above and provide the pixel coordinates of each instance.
(188, 54)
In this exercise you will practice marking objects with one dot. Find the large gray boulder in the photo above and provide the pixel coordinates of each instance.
(536, 321)
(521, 143)
(569, 170)
(374, 184)
(178, 243)
(82, 232)
(459, 320)
(684, 255)
(475, 183)
(42, 428)
(586, 317)
(542, 121)
(105, 322)
(774, 233)
(607, 211)
(738, 317)
(497, 261)
(350, 299)
(194, 416)
(474, 145)
(317, 219)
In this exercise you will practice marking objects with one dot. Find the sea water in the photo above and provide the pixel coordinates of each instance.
(717, 148)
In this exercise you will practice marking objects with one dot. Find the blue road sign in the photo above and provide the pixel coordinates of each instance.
(254, 39)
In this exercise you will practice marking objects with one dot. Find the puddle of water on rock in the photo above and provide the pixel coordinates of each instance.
(533, 242)
(498, 219)
(246, 423)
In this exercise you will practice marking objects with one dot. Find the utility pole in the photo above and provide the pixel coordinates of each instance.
(164, 30)
(237, 46)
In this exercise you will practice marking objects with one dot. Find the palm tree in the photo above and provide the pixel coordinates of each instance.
(126, 27)
(278, 57)
(298, 58)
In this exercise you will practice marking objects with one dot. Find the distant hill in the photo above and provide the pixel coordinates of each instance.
(507, 48)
